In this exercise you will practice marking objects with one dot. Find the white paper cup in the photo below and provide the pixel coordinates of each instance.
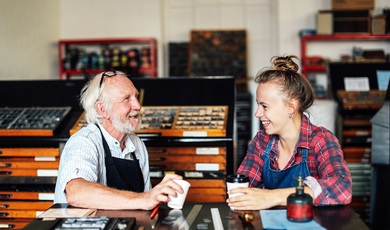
(235, 181)
(177, 202)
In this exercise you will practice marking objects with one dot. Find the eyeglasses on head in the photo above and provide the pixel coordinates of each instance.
(109, 74)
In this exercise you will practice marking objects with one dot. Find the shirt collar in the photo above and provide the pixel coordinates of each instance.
(111, 141)
(306, 128)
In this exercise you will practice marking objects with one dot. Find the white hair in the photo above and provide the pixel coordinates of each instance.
(90, 94)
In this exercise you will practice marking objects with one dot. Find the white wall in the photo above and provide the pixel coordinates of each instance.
(254, 16)
(112, 19)
(29, 31)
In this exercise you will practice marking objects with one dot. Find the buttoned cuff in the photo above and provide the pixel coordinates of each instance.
(314, 185)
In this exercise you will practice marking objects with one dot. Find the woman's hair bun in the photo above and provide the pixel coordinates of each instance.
(285, 63)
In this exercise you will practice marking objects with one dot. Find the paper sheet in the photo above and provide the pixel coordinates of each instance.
(383, 77)
(277, 219)
(356, 84)
(67, 212)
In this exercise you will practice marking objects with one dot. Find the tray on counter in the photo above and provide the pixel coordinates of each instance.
(186, 121)
(35, 121)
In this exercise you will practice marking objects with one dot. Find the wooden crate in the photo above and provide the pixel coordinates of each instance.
(372, 99)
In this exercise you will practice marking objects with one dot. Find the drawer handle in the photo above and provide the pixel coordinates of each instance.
(4, 214)
(4, 206)
(5, 173)
(5, 165)
(157, 150)
(157, 159)
(5, 196)
(157, 167)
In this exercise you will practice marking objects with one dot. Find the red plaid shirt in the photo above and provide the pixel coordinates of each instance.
(325, 162)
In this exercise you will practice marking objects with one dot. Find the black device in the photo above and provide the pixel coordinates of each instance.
(87, 222)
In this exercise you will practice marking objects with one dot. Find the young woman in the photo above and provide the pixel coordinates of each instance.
(288, 145)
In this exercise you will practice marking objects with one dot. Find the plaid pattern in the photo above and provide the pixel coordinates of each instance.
(325, 160)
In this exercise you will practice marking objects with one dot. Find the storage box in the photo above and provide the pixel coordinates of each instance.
(352, 4)
(351, 21)
(378, 24)
(325, 22)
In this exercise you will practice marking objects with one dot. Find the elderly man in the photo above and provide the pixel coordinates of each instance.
(105, 165)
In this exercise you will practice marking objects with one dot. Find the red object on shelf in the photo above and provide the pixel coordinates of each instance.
(136, 42)
(339, 37)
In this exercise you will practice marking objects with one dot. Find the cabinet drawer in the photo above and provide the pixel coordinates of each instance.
(14, 223)
(8, 195)
(20, 213)
(207, 191)
(190, 166)
(25, 205)
(200, 183)
(29, 172)
(160, 151)
(201, 198)
(28, 163)
(168, 159)
(207, 183)
(188, 158)
(29, 152)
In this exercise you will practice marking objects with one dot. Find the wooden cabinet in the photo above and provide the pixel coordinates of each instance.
(203, 166)
(29, 157)
(356, 109)
(27, 178)
(134, 56)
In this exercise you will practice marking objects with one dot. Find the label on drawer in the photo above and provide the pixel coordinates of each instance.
(194, 134)
(38, 213)
(207, 151)
(45, 158)
(47, 172)
(206, 167)
(46, 196)
(156, 174)
(193, 174)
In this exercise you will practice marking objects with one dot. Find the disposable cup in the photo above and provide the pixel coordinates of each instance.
(235, 181)
(177, 202)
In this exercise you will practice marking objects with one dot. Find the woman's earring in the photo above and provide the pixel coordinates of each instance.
(290, 115)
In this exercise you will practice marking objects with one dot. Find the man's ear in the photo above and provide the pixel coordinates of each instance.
(101, 110)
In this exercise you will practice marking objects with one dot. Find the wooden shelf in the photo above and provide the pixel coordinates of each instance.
(93, 44)
(330, 38)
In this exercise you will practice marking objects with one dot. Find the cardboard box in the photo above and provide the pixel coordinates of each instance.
(378, 24)
(352, 4)
(325, 22)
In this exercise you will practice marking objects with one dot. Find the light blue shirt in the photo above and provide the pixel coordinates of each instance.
(83, 157)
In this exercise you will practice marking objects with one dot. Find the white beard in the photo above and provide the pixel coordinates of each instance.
(124, 127)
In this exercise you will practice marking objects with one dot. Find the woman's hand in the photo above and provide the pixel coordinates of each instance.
(257, 199)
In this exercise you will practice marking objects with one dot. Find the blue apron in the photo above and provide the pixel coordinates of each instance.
(285, 178)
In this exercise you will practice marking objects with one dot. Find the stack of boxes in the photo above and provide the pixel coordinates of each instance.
(352, 16)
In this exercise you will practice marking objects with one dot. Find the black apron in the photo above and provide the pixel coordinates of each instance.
(121, 173)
